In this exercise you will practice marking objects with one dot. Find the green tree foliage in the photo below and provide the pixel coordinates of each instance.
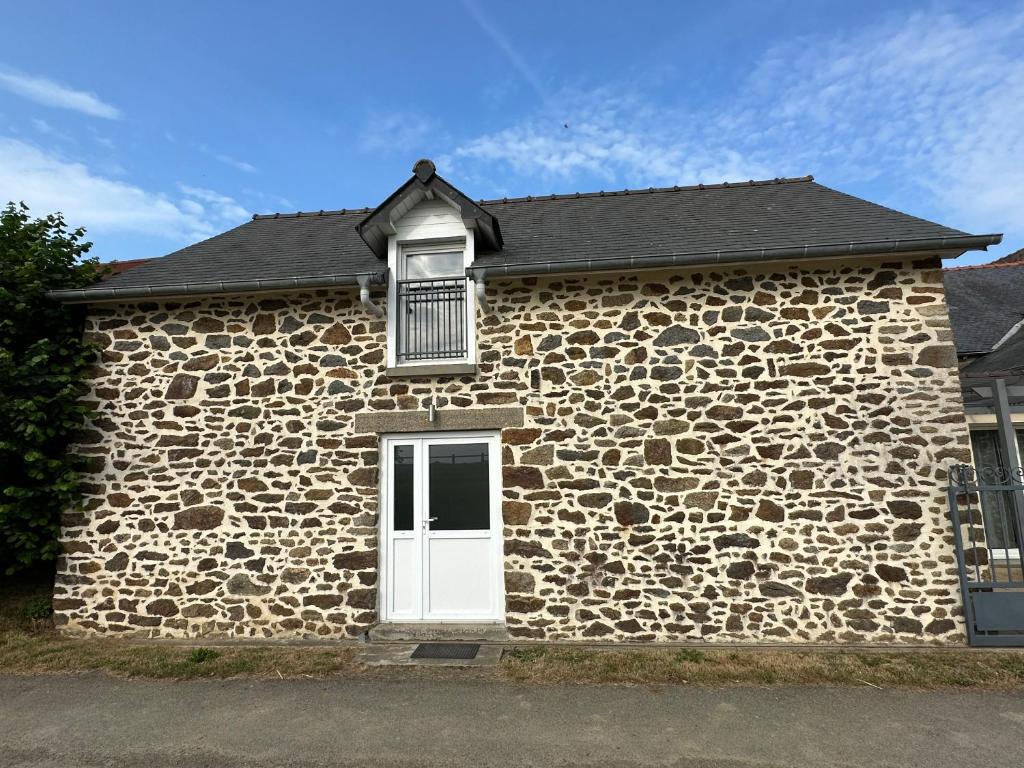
(43, 359)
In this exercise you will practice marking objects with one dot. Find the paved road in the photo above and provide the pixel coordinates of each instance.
(98, 721)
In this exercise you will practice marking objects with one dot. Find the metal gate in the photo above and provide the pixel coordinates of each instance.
(986, 506)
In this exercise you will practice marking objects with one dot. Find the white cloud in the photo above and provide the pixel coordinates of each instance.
(397, 132)
(504, 44)
(53, 94)
(238, 165)
(927, 108)
(45, 128)
(930, 103)
(607, 134)
(42, 126)
(222, 206)
(49, 183)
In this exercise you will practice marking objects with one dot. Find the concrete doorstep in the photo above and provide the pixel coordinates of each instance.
(441, 632)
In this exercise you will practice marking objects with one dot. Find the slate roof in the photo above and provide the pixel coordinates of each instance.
(778, 213)
(985, 302)
(703, 220)
(1007, 359)
(268, 247)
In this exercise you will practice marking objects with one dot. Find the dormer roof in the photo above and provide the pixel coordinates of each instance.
(426, 184)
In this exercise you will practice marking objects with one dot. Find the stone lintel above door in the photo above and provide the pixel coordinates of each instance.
(446, 420)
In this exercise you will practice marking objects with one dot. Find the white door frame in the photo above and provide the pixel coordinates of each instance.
(420, 535)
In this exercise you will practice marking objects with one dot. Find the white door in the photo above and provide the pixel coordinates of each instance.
(441, 552)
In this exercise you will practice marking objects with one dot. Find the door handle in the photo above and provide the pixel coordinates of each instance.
(431, 519)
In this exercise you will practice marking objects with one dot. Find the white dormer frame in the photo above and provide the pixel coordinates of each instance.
(397, 249)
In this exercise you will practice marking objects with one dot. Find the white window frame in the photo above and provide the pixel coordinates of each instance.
(397, 251)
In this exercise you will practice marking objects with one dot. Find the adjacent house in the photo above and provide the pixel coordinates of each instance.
(715, 413)
(986, 305)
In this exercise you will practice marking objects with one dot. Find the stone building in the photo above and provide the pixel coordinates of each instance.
(718, 413)
(986, 308)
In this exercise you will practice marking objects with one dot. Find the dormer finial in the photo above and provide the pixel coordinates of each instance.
(424, 169)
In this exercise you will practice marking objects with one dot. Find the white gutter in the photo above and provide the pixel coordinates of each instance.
(219, 287)
(959, 243)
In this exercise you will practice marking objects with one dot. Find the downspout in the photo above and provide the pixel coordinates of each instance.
(364, 296)
(480, 289)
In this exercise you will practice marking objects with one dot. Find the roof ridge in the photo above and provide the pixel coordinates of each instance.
(649, 190)
(990, 265)
(567, 196)
(321, 212)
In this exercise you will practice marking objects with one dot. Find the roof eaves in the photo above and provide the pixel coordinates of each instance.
(967, 373)
(958, 243)
(97, 294)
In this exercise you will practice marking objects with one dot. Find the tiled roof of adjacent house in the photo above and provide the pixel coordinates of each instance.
(1011, 258)
(707, 223)
(117, 267)
(985, 303)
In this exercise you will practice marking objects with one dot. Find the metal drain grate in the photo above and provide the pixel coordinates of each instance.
(446, 651)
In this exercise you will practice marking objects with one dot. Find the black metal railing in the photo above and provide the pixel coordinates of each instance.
(986, 506)
(431, 322)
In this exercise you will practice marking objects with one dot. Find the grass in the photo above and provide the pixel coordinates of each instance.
(30, 645)
(917, 669)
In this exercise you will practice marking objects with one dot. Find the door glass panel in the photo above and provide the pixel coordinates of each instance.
(459, 487)
(403, 488)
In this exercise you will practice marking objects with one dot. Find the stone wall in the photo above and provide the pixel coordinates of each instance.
(731, 456)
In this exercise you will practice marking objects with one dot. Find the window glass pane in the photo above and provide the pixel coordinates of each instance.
(403, 487)
(985, 446)
(997, 506)
(459, 487)
(437, 264)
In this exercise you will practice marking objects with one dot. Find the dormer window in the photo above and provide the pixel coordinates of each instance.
(431, 307)
(430, 233)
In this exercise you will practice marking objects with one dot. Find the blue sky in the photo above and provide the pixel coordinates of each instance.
(156, 125)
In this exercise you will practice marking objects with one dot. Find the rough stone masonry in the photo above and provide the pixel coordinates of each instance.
(720, 455)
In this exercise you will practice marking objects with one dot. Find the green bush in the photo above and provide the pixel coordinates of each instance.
(199, 655)
(43, 360)
(527, 655)
(38, 608)
(691, 655)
